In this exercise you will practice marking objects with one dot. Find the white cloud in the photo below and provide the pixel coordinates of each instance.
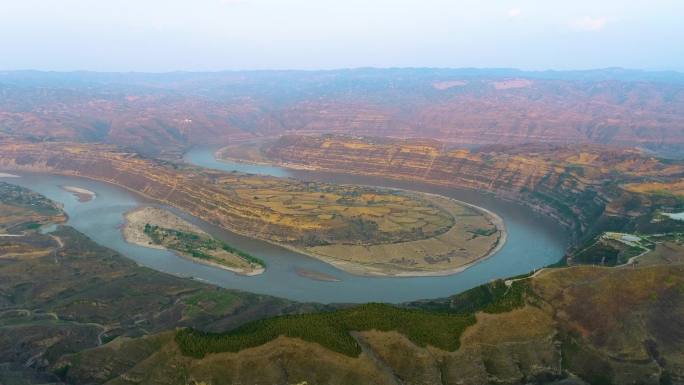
(514, 12)
(589, 23)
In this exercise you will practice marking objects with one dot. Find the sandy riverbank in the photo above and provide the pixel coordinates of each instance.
(83, 195)
(134, 232)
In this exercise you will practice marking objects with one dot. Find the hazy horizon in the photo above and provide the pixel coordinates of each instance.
(228, 35)
(333, 69)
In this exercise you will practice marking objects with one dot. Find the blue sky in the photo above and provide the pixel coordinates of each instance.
(165, 35)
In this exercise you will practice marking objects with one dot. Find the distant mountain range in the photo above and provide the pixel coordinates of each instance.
(157, 112)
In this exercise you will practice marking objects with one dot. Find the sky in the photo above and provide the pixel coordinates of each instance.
(211, 35)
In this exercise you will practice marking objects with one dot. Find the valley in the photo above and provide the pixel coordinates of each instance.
(322, 220)
(452, 225)
(566, 312)
(260, 192)
(544, 325)
(532, 242)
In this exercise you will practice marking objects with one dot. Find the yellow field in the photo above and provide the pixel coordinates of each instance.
(472, 236)
(390, 216)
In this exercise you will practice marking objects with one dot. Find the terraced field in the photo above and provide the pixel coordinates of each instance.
(354, 215)
(472, 236)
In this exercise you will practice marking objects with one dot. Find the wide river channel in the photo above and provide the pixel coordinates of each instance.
(533, 240)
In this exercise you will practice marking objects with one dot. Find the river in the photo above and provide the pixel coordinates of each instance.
(533, 240)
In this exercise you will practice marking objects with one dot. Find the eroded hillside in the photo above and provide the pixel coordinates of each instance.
(162, 112)
(590, 188)
(595, 325)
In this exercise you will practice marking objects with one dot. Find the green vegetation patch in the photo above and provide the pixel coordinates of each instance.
(332, 330)
(194, 244)
(606, 252)
(484, 232)
(598, 253)
(513, 298)
(438, 323)
(494, 297)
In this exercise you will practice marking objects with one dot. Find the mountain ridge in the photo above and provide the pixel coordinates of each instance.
(157, 112)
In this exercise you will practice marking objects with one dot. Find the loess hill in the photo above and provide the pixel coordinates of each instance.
(74, 312)
(163, 112)
(585, 324)
(590, 188)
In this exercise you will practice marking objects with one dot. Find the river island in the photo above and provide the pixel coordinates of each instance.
(158, 228)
